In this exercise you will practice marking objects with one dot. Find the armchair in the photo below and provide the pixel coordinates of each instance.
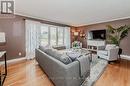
(110, 53)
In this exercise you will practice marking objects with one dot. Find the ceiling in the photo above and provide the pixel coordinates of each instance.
(74, 12)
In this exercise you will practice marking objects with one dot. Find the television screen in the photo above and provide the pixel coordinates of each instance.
(99, 34)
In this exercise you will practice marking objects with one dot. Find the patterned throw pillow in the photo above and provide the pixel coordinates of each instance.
(73, 55)
(65, 59)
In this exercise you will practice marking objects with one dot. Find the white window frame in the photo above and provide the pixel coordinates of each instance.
(57, 38)
(63, 35)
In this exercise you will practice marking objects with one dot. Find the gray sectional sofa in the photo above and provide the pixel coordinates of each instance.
(60, 74)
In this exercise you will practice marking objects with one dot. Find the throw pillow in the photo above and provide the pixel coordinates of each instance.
(73, 55)
(42, 48)
(54, 53)
(65, 59)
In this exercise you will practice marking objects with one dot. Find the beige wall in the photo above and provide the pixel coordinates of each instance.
(125, 43)
(15, 36)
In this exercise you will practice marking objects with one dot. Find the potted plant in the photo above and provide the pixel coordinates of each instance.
(115, 35)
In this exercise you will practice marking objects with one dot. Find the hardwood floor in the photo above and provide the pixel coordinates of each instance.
(116, 74)
(28, 73)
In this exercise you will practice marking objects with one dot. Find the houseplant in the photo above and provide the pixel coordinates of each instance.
(115, 35)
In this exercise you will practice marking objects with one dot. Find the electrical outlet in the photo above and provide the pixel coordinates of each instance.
(20, 53)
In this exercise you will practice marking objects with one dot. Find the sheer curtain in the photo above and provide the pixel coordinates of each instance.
(32, 37)
(36, 34)
(67, 39)
(90, 35)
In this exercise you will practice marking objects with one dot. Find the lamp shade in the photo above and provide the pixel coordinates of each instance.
(2, 37)
(76, 33)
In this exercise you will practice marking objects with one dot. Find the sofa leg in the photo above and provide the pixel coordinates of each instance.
(109, 62)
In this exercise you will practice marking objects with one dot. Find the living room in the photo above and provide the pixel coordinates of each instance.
(52, 44)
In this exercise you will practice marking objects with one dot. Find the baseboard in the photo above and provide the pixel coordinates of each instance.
(12, 61)
(125, 57)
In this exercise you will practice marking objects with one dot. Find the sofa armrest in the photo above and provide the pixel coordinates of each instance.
(113, 53)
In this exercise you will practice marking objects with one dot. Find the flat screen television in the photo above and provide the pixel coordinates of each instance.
(99, 34)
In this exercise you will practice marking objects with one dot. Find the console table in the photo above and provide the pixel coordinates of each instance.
(3, 73)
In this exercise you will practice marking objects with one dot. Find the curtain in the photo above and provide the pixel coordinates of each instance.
(67, 39)
(33, 34)
(90, 35)
(32, 38)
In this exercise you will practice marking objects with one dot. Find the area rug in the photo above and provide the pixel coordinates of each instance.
(97, 68)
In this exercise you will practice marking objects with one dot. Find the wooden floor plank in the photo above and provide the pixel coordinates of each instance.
(28, 73)
(116, 74)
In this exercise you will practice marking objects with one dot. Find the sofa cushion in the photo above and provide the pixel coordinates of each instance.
(54, 53)
(61, 57)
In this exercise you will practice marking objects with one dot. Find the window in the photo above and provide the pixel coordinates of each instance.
(60, 36)
(53, 36)
(44, 35)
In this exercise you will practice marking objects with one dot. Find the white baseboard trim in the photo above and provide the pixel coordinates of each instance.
(125, 57)
(15, 60)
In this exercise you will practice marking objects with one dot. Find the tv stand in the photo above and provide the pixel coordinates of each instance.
(95, 45)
